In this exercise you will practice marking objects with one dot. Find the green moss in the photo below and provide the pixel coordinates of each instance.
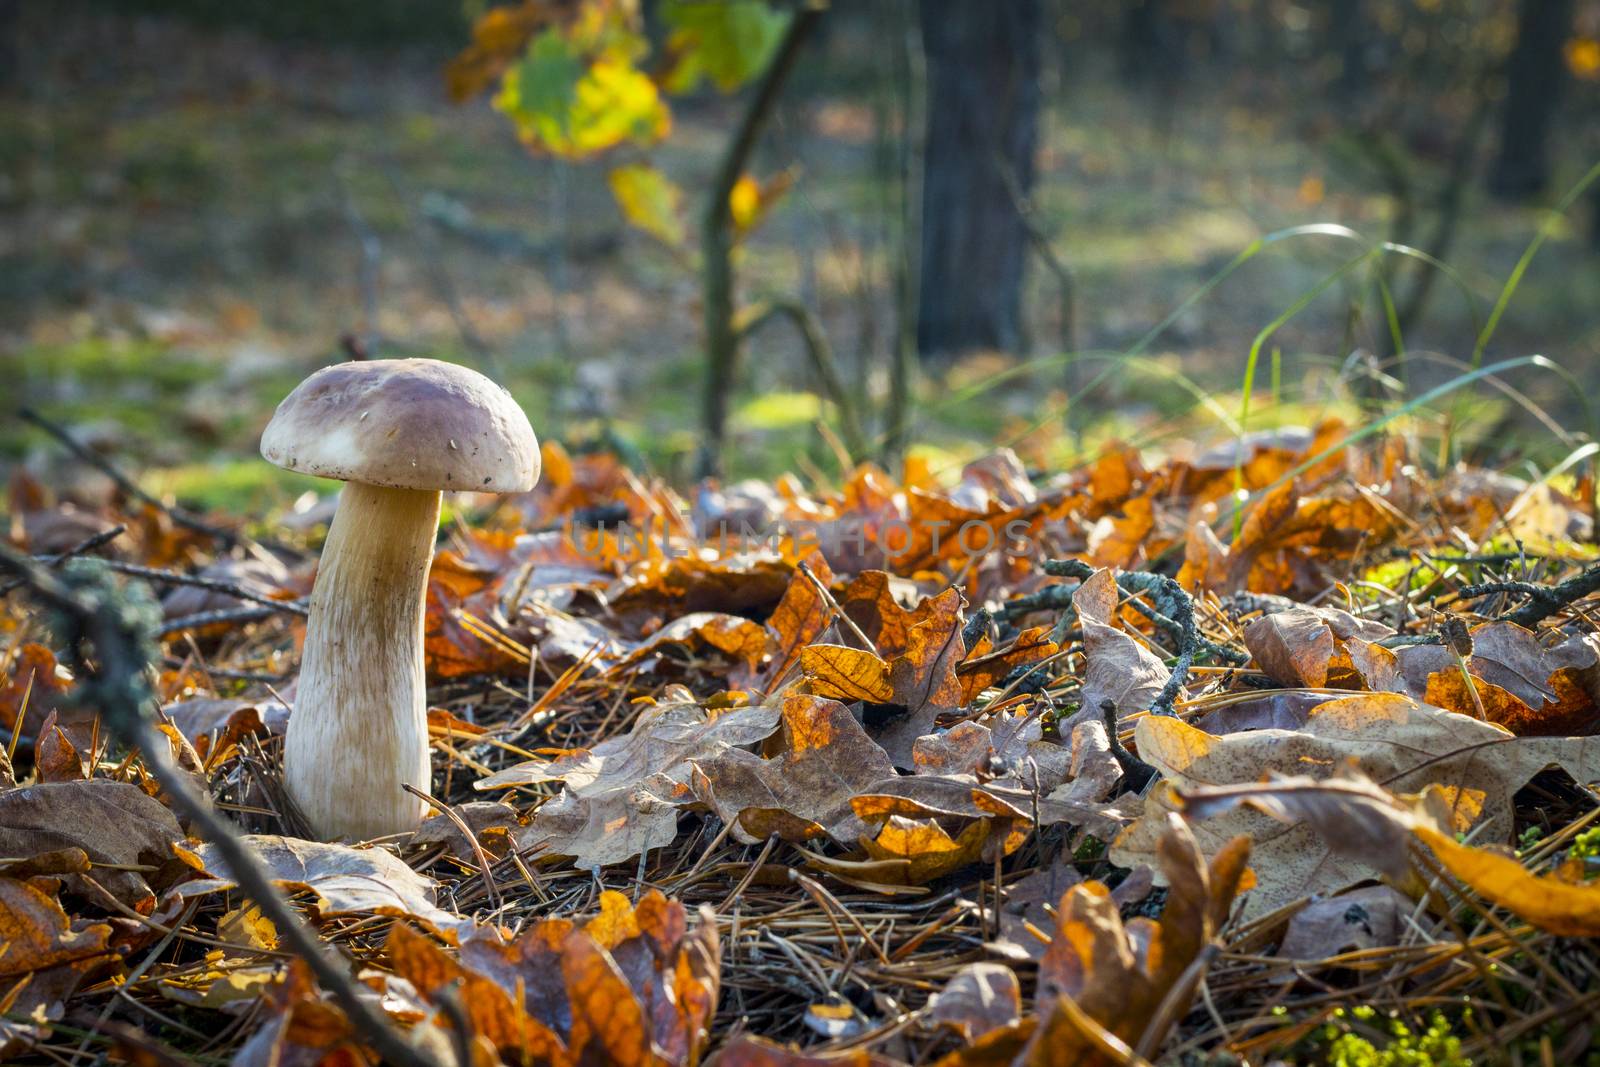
(237, 486)
(1358, 1038)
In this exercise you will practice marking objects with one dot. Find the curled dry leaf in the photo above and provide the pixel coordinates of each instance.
(622, 796)
(1119, 669)
(1399, 744)
(918, 685)
(343, 880)
(1561, 902)
(634, 986)
(1372, 917)
(1118, 976)
(1320, 648)
(1514, 677)
(980, 998)
(824, 759)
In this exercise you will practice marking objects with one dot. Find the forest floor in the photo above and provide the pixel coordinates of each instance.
(701, 795)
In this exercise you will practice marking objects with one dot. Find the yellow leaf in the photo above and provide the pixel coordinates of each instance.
(650, 200)
(248, 928)
(1562, 908)
(744, 201)
(1583, 57)
(846, 673)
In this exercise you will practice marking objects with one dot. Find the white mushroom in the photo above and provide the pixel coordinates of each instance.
(398, 432)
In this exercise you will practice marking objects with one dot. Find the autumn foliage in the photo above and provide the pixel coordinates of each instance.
(1107, 773)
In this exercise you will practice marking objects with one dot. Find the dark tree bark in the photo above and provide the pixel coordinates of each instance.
(983, 118)
(1534, 76)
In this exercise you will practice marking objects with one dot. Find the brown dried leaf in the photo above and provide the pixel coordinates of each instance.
(1400, 744)
(1119, 976)
(824, 759)
(798, 620)
(1306, 646)
(344, 880)
(35, 934)
(980, 998)
(1119, 668)
(1372, 917)
(115, 823)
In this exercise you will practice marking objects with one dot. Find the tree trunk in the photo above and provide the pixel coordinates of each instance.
(1534, 75)
(983, 117)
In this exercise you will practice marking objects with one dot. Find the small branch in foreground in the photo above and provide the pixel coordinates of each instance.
(55, 559)
(90, 610)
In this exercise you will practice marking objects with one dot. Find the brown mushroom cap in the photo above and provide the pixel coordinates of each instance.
(405, 424)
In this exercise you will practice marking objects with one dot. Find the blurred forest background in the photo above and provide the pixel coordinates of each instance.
(960, 224)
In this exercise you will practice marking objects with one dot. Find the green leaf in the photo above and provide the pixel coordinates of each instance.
(575, 106)
(728, 41)
(539, 92)
(650, 201)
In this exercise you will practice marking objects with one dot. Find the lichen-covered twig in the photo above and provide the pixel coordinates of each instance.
(1544, 600)
(90, 610)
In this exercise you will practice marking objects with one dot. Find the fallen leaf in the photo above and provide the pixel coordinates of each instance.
(1372, 917)
(824, 758)
(1401, 745)
(980, 998)
(343, 880)
(35, 934)
(115, 824)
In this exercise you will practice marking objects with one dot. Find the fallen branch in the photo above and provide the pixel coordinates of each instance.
(1545, 600)
(91, 611)
(179, 515)
(213, 585)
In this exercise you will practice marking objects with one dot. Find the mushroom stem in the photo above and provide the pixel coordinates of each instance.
(359, 732)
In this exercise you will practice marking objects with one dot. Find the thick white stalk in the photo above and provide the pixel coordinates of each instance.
(359, 731)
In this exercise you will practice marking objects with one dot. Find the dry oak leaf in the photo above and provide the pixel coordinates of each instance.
(632, 986)
(985, 667)
(1359, 820)
(1370, 917)
(1009, 748)
(980, 997)
(1401, 745)
(302, 1029)
(798, 620)
(343, 880)
(1118, 976)
(1512, 674)
(1119, 668)
(35, 934)
(1550, 902)
(622, 796)
(920, 683)
(663, 739)
(117, 825)
(870, 603)
(1319, 648)
(824, 759)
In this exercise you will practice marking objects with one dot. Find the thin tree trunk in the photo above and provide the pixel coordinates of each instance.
(716, 241)
(983, 101)
(1534, 76)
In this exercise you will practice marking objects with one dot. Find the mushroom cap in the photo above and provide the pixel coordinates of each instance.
(405, 424)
